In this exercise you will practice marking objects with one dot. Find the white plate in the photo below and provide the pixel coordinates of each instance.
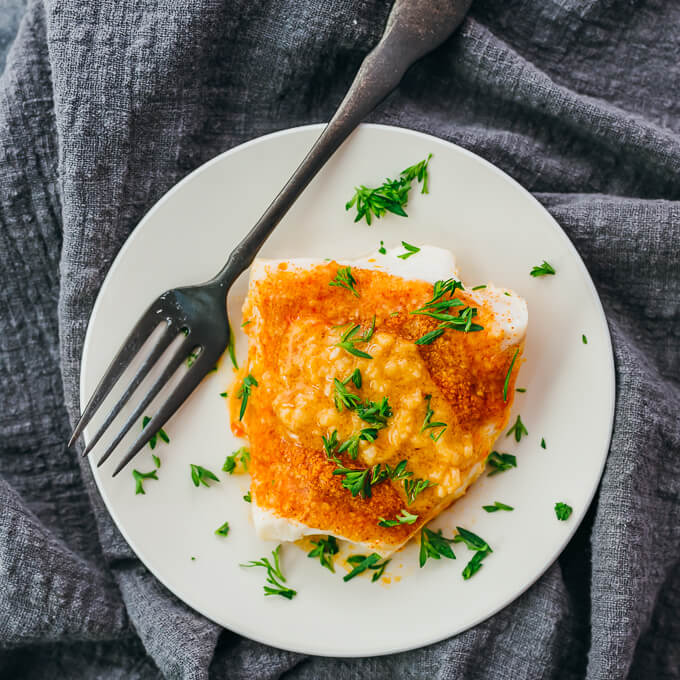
(497, 231)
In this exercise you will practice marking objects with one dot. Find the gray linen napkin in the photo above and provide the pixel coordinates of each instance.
(105, 105)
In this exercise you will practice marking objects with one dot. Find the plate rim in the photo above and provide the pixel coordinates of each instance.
(318, 650)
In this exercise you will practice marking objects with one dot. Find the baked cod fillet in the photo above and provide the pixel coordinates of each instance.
(353, 421)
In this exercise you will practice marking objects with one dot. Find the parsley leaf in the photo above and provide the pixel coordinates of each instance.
(324, 550)
(476, 543)
(345, 279)
(462, 322)
(413, 487)
(471, 540)
(348, 341)
(248, 498)
(356, 481)
(375, 413)
(562, 511)
(223, 530)
(330, 443)
(232, 349)
(382, 249)
(241, 456)
(543, 443)
(584, 340)
(200, 475)
(139, 478)
(162, 434)
(497, 506)
(399, 472)
(275, 577)
(475, 564)
(507, 377)
(404, 517)
(429, 425)
(244, 392)
(500, 462)
(156, 460)
(392, 196)
(410, 250)
(518, 429)
(343, 397)
(434, 545)
(543, 269)
(479, 287)
(361, 564)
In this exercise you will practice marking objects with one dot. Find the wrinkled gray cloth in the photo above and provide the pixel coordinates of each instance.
(105, 105)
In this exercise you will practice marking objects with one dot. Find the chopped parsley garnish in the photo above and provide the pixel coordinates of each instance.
(471, 540)
(348, 341)
(404, 517)
(444, 287)
(429, 425)
(475, 564)
(359, 482)
(241, 456)
(232, 349)
(343, 397)
(193, 355)
(379, 570)
(562, 511)
(497, 506)
(479, 287)
(543, 443)
(223, 530)
(399, 472)
(224, 394)
(248, 498)
(275, 577)
(361, 563)
(382, 249)
(244, 392)
(584, 339)
(139, 478)
(156, 460)
(200, 475)
(461, 322)
(543, 269)
(476, 543)
(375, 413)
(521, 389)
(392, 196)
(434, 545)
(330, 443)
(413, 487)
(345, 279)
(355, 378)
(518, 429)
(410, 250)
(324, 550)
(161, 434)
(245, 323)
(356, 481)
(500, 462)
(507, 377)
(351, 445)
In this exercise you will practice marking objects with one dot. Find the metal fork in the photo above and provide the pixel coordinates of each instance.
(414, 28)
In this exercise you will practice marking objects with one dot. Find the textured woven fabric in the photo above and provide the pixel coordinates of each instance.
(105, 105)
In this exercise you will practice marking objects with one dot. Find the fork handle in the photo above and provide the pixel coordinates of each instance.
(414, 28)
